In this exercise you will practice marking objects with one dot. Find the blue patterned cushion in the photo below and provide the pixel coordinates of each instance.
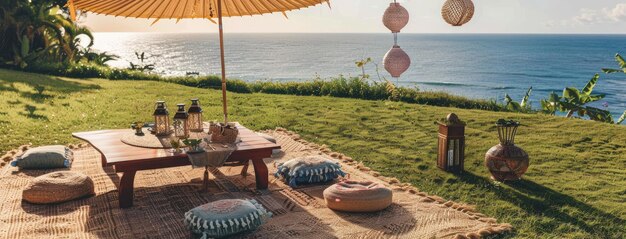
(44, 157)
(309, 169)
(226, 217)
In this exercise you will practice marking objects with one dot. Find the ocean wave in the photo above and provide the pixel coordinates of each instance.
(531, 75)
(442, 83)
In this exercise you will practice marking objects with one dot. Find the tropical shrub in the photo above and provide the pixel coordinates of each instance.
(622, 68)
(98, 58)
(36, 31)
(142, 65)
(574, 101)
(522, 106)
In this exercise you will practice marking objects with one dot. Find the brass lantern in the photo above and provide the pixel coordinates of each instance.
(161, 119)
(451, 152)
(195, 117)
(181, 128)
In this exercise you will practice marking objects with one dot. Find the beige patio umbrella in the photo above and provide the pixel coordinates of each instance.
(182, 9)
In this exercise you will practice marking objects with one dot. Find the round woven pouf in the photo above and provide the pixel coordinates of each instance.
(57, 187)
(354, 196)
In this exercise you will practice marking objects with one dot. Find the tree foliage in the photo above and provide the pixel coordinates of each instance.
(39, 30)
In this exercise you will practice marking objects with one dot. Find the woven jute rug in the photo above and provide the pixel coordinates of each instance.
(163, 196)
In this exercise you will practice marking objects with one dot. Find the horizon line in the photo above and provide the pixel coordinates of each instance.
(442, 33)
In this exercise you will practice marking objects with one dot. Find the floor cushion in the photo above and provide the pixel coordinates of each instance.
(45, 157)
(309, 169)
(226, 217)
(57, 187)
(355, 196)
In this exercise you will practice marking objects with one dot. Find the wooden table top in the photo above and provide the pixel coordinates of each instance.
(117, 153)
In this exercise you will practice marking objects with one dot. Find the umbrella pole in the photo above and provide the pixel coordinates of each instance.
(221, 33)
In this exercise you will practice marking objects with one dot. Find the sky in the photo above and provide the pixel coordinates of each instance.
(364, 16)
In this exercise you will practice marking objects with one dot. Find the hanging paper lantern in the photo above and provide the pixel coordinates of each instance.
(396, 61)
(395, 17)
(457, 12)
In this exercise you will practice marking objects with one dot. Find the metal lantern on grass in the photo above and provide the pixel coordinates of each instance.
(161, 119)
(506, 161)
(195, 117)
(457, 12)
(396, 17)
(181, 128)
(451, 152)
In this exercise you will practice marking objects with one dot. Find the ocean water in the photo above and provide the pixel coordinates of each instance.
(474, 65)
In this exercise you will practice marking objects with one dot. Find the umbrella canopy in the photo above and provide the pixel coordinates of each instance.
(181, 9)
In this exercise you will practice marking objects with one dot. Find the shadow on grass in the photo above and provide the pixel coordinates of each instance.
(30, 113)
(36, 97)
(2, 117)
(539, 200)
(49, 83)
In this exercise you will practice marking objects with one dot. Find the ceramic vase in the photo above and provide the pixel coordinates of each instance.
(506, 161)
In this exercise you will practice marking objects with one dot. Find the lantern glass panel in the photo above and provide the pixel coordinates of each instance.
(195, 122)
(161, 124)
(180, 126)
(161, 119)
(181, 129)
(195, 117)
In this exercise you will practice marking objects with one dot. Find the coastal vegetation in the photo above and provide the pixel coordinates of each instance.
(41, 37)
(574, 187)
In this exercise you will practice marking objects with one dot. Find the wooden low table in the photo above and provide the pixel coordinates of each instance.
(127, 159)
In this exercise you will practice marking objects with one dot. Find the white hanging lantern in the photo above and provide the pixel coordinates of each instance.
(396, 61)
(395, 17)
(457, 12)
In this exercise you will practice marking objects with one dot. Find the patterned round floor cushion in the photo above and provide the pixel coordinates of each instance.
(354, 196)
(57, 187)
(45, 157)
(226, 217)
(309, 169)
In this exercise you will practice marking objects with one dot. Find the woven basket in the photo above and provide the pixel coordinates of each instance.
(58, 187)
(223, 134)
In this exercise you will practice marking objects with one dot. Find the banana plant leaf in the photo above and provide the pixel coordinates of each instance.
(620, 61)
(621, 118)
(510, 104)
(598, 114)
(526, 97)
(592, 83)
(571, 94)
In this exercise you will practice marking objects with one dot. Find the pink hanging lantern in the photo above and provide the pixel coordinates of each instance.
(396, 61)
(457, 12)
(395, 17)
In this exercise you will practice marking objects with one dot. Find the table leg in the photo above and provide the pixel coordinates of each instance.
(205, 180)
(125, 190)
(261, 173)
(244, 170)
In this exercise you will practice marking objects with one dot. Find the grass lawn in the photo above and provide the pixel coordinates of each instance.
(575, 186)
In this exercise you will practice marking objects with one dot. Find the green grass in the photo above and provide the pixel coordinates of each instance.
(575, 186)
